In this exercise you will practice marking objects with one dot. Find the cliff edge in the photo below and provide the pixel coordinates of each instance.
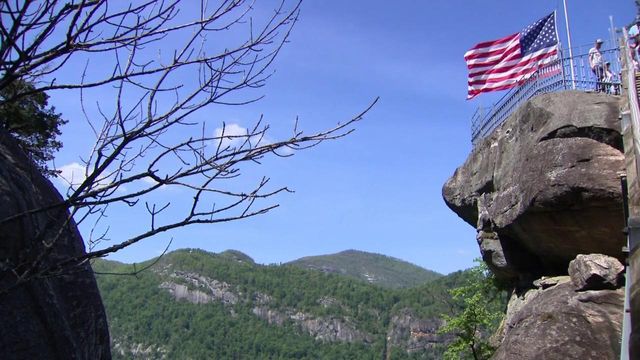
(543, 191)
(545, 187)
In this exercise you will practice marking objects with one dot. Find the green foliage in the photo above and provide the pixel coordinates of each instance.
(376, 269)
(32, 122)
(482, 310)
(236, 256)
(140, 312)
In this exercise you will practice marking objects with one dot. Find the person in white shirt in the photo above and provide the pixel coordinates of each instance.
(609, 79)
(595, 61)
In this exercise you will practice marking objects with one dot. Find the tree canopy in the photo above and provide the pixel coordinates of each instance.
(32, 122)
(481, 304)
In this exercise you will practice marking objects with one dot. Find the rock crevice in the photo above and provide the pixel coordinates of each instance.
(607, 136)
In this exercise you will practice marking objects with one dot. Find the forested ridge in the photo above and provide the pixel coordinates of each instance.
(376, 269)
(191, 304)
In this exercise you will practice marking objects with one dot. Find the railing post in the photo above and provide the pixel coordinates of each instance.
(630, 124)
(564, 76)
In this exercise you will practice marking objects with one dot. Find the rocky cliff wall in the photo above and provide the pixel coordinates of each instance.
(545, 187)
(48, 316)
(556, 320)
(541, 190)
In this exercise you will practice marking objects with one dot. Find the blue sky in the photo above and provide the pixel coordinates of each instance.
(379, 189)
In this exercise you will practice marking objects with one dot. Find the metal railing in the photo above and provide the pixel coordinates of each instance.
(630, 125)
(555, 76)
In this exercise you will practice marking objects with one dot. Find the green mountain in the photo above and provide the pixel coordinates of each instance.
(191, 304)
(375, 269)
(237, 256)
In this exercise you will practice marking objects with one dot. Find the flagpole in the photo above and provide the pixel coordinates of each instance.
(612, 29)
(566, 22)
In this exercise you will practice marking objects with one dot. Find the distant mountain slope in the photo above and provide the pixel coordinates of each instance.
(236, 255)
(373, 268)
(192, 304)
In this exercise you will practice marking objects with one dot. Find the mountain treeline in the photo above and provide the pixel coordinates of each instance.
(191, 304)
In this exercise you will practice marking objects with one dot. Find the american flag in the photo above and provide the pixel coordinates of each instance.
(501, 64)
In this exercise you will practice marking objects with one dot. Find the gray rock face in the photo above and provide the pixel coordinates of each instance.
(199, 289)
(518, 301)
(56, 317)
(272, 316)
(182, 292)
(139, 351)
(544, 187)
(331, 329)
(206, 290)
(595, 272)
(408, 331)
(322, 328)
(561, 323)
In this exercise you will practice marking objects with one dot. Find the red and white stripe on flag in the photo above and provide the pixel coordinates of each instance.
(500, 65)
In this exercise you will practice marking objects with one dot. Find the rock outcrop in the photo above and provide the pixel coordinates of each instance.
(544, 187)
(595, 271)
(138, 351)
(415, 334)
(542, 190)
(199, 289)
(322, 328)
(331, 329)
(556, 321)
(59, 315)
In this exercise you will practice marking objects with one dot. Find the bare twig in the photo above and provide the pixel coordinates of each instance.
(151, 133)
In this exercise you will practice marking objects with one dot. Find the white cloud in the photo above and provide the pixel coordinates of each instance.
(286, 151)
(149, 180)
(72, 174)
(235, 135)
(152, 182)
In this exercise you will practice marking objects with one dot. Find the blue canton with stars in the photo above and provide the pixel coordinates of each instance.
(539, 35)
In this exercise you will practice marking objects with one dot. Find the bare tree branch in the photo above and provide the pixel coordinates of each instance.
(166, 68)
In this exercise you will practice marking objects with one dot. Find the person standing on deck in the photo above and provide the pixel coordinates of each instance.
(595, 61)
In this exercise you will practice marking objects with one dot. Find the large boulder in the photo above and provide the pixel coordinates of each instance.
(556, 321)
(545, 187)
(45, 312)
(595, 272)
